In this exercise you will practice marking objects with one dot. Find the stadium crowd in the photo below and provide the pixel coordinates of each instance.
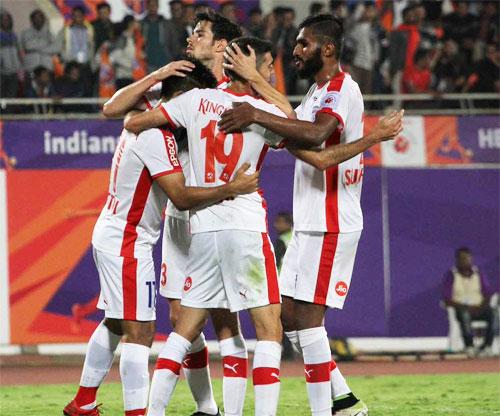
(422, 48)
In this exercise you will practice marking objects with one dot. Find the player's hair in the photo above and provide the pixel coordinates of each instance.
(103, 5)
(326, 28)
(222, 28)
(260, 47)
(462, 250)
(199, 77)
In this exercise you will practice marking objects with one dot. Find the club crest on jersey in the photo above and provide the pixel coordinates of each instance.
(341, 288)
(330, 100)
(188, 283)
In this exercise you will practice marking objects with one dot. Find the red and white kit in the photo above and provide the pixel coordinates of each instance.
(231, 261)
(318, 264)
(129, 224)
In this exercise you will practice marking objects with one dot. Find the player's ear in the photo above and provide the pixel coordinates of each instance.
(328, 49)
(220, 45)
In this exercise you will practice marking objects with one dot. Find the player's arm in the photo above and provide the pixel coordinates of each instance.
(387, 128)
(189, 197)
(245, 66)
(130, 97)
(139, 122)
(298, 132)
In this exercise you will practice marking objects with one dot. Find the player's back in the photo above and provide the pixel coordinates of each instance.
(215, 156)
(129, 223)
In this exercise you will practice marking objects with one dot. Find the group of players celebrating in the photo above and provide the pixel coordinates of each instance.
(195, 136)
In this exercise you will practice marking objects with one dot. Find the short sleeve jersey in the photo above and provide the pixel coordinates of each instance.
(329, 201)
(216, 156)
(129, 224)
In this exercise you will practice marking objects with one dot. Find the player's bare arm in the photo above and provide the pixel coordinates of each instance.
(246, 67)
(301, 133)
(189, 197)
(387, 128)
(130, 96)
(139, 122)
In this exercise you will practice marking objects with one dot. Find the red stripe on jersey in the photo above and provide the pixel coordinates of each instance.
(167, 172)
(222, 81)
(146, 101)
(273, 291)
(166, 364)
(325, 267)
(331, 191)
(333, 365)
(235, 366)
(265, 375)
(336, 82)
(196, 360)
(135, 213)
(317, 373)
(262, 155)
(129, 288)
(169, 120)
(330, 112)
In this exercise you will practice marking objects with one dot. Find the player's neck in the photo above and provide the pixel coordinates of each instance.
(216, 67)
(241, 88)
(326, 73)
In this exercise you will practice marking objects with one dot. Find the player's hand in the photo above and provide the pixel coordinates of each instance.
(243, 183)
(389, 126)
(176, 68)
(239, 117)
(244, 65)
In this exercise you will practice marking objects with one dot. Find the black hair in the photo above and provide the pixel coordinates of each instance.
(408, 9)
(199, 77)
(103, 5)
(255, 10)
(462, 250)
(39, 70)
(176, 2)
(222, 28)
(315, 8)
(260, 47)
(326, 27)
(419, 54)
(35, 12)
(78, 9)
(286, 216)
(70, 65)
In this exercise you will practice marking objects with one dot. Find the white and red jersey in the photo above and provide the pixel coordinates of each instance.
(129, 224)
(329, 201)
(216, 156)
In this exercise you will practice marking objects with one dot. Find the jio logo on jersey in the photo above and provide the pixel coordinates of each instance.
(341, 288)
(188, 283)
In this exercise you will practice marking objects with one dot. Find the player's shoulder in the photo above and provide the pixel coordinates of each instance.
(264, 105)
(342, 82)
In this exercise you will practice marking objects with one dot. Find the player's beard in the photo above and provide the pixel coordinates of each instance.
(311, 66)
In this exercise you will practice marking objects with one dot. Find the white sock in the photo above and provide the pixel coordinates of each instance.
(197, 374)
(317, 363)
(98, 360)
(339, 385)
(168, 367)
(135, 376)
(234, 384)
(266, 377)
(293, 336)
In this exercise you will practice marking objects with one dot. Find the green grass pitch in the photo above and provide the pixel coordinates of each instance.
(416, 395)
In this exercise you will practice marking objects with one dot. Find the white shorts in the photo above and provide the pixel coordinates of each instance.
(174, 257)
(317, 267)
(231, 269)
(127, 287)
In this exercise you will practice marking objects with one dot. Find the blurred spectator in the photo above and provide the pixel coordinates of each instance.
(339, 8)
(103, 27)
(488, 27)
(316, 8)
(38, 44)
(255, 22)
(228, 10)
(10, 60)
(201, 7)
(283, 38)
(176, 31)
(283, 224)
(366, 50)
(72, 85)
(154, 31)
(467, 290)
(417, 78)
(127, 52)
(450, 68)
(188, 17)
(41, 87)
(77, 39)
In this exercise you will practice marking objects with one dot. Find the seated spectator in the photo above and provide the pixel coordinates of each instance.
(255, 23)
(72, 85)
(466, 290)
(450, 68)
(10, 59)
(38, 44)
(127, 53)
(41, 87)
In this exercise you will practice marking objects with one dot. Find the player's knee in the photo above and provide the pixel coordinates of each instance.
(140, 333)
(268, 325)
(174, 313)
(225, 323)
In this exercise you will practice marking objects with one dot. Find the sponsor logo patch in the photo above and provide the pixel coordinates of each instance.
(341, 288)
(188, 283)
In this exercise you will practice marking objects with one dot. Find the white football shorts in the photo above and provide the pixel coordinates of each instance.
(317, 267)
(174, 257)
(127, 287)
(231, 269)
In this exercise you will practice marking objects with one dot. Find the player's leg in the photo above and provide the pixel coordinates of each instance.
(234, 355)
(175, 252)
(191, 322)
